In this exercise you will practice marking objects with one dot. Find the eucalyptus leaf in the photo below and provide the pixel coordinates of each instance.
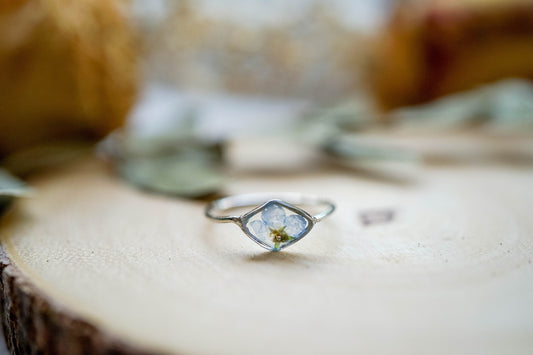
(45, 156)
(177, 161)
(324, 124)
(174, 175)
(503, 105)
(10, 186)
(348, 147)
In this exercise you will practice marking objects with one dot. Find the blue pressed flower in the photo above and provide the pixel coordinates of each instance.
(277, 225)
(295, 225)
(259, 229)
(274, 216)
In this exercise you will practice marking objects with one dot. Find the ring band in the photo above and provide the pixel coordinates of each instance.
(275, 222)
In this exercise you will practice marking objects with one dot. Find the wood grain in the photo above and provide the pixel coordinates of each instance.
(33, 323)
(111, 269)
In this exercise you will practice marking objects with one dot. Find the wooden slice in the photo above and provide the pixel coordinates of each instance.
(442, 264)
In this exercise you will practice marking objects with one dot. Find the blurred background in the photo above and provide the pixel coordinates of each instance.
(178, 96)
(179, 82)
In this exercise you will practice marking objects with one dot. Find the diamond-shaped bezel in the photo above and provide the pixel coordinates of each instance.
(245, 218)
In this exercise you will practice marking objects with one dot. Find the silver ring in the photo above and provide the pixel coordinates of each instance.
(275, 222)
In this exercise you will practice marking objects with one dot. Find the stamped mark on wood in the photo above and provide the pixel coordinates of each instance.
(376, 216)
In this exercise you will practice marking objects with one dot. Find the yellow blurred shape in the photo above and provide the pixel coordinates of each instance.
(67, 70)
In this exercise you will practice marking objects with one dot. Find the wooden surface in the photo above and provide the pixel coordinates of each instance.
(451, 273)
(33, 323)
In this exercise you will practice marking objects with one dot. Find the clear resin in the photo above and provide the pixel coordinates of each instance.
(277, 225)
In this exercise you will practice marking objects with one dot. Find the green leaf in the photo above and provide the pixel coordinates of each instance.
(45, 156)
(326, 123)
(10, 186)
(177, 161)
(348, 147)
(184, 176)
(506, 104)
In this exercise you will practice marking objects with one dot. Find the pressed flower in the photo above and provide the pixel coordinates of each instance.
(277, 225)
